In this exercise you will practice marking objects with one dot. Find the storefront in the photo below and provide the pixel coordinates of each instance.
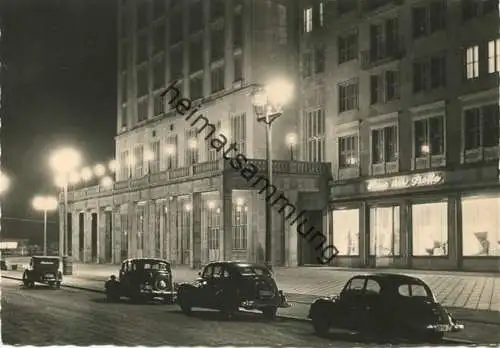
(432, 220)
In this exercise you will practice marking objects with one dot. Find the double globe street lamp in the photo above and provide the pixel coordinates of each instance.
(268, 102)
(44, 204)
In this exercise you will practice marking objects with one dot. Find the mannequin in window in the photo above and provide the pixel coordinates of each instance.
(485, 248)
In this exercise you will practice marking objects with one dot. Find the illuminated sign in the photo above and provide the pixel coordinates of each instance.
(405, 181)
(8, 245)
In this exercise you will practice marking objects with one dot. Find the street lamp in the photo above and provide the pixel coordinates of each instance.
(63, 162)
(86, 174)
(44, 203)
(291, 140)
(113, 166)
(106, 182)
(268, 102)
(99, 170)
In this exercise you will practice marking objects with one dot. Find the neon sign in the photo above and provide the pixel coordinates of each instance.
(405, 181)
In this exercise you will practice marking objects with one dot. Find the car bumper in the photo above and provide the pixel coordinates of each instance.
(450, 327)
(159, 293)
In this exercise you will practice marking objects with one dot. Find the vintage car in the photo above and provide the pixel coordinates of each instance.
(388, 305)
(228, 286)
(45, 270)
(142, 279)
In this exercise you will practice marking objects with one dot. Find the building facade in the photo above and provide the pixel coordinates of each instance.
(395, 108)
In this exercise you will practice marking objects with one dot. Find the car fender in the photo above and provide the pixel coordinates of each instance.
(322, 308)
(185, 289)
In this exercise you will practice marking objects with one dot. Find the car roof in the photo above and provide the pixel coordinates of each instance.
(236, 263)
(392, 277)
(145, 259)
(46, 257)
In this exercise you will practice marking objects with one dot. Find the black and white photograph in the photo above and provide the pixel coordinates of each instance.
(258, 173)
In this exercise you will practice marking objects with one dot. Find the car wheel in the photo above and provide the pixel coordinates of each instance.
(269, 312)
(320, 326)
(185, 306)
(26, 282)
(31, 284)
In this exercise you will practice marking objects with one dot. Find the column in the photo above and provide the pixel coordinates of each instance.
(75, 222)
(116, 235)
(227, 223)
(173, 251)
(150, 240)
(405, 234)
(291, 241)
(87, 236)
(196, 230)
(454, 242)
(61, 229)
(132, 235)
(101, 233)
(364, 234)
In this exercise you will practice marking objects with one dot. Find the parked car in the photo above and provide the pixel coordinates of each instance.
(230, 285)
(45, 270)
(143, 279)
(392, 305)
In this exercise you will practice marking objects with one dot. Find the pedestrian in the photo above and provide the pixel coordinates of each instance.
(112, 288)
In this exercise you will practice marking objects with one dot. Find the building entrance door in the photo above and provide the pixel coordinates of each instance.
(309, 250)
(384, 235)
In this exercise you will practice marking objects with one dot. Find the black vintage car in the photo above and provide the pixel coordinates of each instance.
(228, 286)
(143, 279)
(45, 270)
(388, 305)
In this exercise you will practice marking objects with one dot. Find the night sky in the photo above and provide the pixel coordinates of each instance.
(58, 88)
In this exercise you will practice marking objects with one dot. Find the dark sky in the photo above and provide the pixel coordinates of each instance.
(58, 88)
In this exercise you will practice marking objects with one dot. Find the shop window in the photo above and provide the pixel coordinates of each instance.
(384, 231)
(481, 226)
(346, 231)
(430, 229)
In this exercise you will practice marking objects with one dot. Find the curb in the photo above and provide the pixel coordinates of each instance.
(286, 317)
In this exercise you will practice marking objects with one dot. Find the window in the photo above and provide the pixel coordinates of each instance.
(176, 63)
(139, 161)
(124, 116)
(213, 228)
(494, 56)
(195, 17)
(196, 87)
(281, 32)
(481, 225)
(212, 153)
(372, 287)
(315, 135)
(476, 8)
(472, 62)
(414, 290)
(142, 48)
(348, 46)
(142, 81)
(159, 104)
(308, 19)
(124, 165)
(384, 145)
(140, 227)
(158, 73)
(124, 88)
(142, 109)
(429, 73)
(217, 9)
(185, 221)
(240, 225)
(171, 152)
(348, 96)
(346, 231)
(348, 151)
(176, 27)
(217, 79)
(217, 40)
(319, 60)
(191, 148)
(430, 229)
(384, 87)
(157, 230)
(158, 38)
(357, 284)
(207, 272)
(154, 163)
(196, 54)
(238, 132)
(428, 18)
(481, 127)
(124, 237)
(238, 68)
(384, 39)
(307, 64)
(237, 30)
(429, 137)
(384, 231)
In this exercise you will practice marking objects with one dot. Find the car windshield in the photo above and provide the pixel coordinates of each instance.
(156, 266)
(414, 290)
(252, 270)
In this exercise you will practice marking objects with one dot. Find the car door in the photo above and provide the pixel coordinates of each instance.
(371, 308)
(124, 279)
(202, 297)
(352, 302)
(217, 286)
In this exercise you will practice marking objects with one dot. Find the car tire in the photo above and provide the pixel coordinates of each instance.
(185, 306)
(270, 312)
(320, 326)
(26, 282)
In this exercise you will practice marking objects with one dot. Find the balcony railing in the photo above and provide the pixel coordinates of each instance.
(383, 53)
(194, 172)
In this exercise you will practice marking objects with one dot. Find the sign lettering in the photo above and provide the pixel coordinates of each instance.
(405, 181)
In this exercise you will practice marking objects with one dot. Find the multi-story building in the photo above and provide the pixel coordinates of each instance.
(399, 97)
(175, 196)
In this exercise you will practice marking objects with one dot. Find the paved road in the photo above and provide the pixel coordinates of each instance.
(42, 316)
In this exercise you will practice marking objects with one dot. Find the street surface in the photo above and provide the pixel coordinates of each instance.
(43, 316)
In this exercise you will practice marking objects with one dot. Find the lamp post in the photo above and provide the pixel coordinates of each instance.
(291, 140)
(268, 102)
(63, 162)
(44, 203)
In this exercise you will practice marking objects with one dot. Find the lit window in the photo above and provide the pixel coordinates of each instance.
(494, 56)
(384, 231)
(472, 62)
(346, 231)
(430, 229)
(308, 19)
